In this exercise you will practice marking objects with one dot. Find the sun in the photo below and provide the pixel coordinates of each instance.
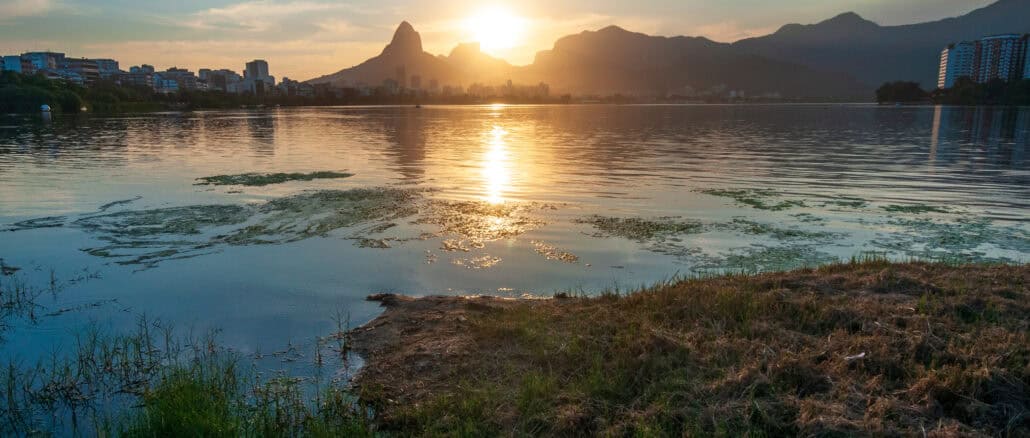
(496, 28)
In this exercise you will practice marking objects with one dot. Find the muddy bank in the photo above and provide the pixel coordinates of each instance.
(860, 348)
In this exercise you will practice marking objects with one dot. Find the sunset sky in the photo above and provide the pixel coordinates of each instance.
(306, 38)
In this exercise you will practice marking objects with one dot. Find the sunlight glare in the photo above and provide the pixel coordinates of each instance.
(496, 170)
(496, 28)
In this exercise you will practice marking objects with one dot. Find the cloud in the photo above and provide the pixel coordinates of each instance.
(25, 8)
(259, 15)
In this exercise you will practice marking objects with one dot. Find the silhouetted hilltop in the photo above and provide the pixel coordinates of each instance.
(614, 60)
(843, 57)
(465, 65)
(875, 54)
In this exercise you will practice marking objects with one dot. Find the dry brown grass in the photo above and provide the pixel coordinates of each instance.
(870, 348)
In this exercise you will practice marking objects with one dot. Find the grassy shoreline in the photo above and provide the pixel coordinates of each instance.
(860, 348)
(868, 348)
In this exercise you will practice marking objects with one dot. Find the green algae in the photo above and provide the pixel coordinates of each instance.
(264, 179)
(165, 221)
(915, 208)
(751, 227)
(37, 223)
(965, 239)
(122, 202)
(641, 229)
(761, 199)
(763, 258)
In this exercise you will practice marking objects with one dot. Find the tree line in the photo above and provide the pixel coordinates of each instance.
(964, 92)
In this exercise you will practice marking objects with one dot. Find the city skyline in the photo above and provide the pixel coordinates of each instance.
(306, 38)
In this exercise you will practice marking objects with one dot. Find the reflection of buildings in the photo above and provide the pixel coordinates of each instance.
(1002, 133)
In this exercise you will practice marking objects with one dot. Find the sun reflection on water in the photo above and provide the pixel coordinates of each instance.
(496, 167)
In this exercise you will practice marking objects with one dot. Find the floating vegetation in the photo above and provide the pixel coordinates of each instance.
(808, 218)
(762, 199)
(963, 240)
(481, 262)
(111, 205)
(748, 226)
(149, 237)
(264, 179)
(762, 258)
(477, 222)
(915, 208)
(316, 214)
(641, 229)
(37, 223)
(551, 252)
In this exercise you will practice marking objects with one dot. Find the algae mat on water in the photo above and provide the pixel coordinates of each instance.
(148, 237)
(264, 179)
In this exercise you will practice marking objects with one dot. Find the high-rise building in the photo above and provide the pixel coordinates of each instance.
(257, 68)
(416, 82)
(256, 79)
(1001, 57)
(956, 62)
(994, 57)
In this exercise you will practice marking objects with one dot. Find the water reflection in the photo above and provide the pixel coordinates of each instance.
(496, 166)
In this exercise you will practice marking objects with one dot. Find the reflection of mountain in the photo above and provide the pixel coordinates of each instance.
(876, 54)
(406, 133)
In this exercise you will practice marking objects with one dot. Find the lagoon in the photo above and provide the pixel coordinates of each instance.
(117, 216)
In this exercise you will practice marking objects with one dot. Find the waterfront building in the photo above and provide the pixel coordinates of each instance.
(256, 79)
(107, 68)
(995, 57)
(84, 68)
(956, 62)
(43, 60)
(13, 63)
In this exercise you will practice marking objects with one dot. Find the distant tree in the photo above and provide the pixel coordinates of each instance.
(905, 92)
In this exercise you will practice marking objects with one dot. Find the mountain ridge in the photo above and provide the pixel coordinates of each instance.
(843, 56)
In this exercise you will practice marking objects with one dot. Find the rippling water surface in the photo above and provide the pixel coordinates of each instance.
(476, 200)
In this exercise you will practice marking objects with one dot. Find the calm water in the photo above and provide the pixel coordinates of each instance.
(477, 200)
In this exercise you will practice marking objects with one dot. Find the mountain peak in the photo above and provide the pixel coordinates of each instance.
(405, 40)
(848, 19)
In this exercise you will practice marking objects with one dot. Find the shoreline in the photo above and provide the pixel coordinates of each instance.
(866, 347)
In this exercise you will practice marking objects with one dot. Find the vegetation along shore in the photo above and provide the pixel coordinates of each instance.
(866, 348)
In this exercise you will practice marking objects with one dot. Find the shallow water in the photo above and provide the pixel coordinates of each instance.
(475, 200)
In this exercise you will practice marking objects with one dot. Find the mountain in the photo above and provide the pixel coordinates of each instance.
(464, 65)
(875, 54)
(607, 61)
(616, 60)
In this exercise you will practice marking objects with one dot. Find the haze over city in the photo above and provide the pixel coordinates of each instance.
(307, 38)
